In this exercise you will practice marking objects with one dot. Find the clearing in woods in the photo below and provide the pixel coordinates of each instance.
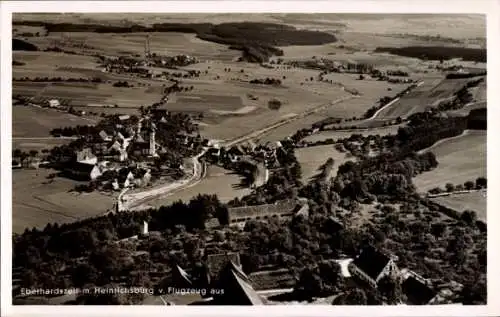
(461, 159)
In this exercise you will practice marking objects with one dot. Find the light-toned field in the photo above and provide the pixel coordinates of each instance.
(476, 201)
(170, 43)
(38, 144)
(335, 135)
(430, 93)
(218, 181)
(311, 158)
(461, 159)
(36, 202)
(52, 64)
(290, 129)
(37, 122)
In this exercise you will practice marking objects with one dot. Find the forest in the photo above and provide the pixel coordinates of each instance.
(437, 52)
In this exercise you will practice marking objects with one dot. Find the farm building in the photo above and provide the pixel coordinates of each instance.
(281, 209)
(371, 266)
(86, 156)
(82, 171)
(54, 103)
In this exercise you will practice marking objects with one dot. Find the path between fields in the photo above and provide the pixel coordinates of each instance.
(130, 202)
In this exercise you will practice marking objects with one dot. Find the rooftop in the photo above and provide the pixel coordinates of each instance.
(371, 261)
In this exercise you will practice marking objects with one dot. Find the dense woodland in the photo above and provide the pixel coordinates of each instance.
(257, 41)
(437, 52)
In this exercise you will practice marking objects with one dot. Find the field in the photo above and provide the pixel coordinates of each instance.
(470, 201)
(461, 159)
(324, 135)
(289, 129)
(218, 181)
(430, 93)
(311, 158)
(37, 202)
(37, 122)
(38, 144)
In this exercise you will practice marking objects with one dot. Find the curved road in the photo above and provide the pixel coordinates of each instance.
(136, 201)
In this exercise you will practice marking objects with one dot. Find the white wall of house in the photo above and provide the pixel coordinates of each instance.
(95, 173)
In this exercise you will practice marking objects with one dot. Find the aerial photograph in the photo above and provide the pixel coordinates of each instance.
(249, 159)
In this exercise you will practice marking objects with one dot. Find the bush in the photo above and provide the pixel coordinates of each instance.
(274, 104)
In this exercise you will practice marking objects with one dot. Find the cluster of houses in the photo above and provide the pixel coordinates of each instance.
(106, 158)
(249, 151)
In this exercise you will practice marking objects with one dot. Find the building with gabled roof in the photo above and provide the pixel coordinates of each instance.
(86, 156)
(371, 266)
(234, 288)
(82, 171)
(104, 136)
(418, 292)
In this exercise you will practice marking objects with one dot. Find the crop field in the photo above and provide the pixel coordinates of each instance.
(476, 201)
(26, 144)
(311, 158)
(461, 159)
(290, 128)
(37, 122)
(37, 202)
(52, 64)
(87, 94)
(218, 181)
(335, 135)
(202, 102)
(428, 94)
(170, 43)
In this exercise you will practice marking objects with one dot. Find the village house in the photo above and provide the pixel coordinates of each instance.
(418, 292)
(82, 171)
(371, 266)
(104, 136)
(86, 156)
(54, 103)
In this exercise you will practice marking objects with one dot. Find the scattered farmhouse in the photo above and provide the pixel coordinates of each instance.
(82, 171)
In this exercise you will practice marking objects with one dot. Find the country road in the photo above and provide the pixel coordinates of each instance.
(135, 201)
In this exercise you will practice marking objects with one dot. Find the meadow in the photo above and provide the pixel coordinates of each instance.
(36, 201)
(475, 201)
(461, 159)
(312, 158)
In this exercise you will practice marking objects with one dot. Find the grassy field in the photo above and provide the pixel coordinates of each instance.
(218, 181)
(35, 202)
(470, 201)
(289, 129)
(27, 144)
(311, 158)
(323, 135)
(37, 122)
(460, 159)
(428, 94)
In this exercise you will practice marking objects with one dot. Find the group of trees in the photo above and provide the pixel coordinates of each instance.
(274, 104)
(267, 81)
(60, 79)
(79, 130)
(480, 183)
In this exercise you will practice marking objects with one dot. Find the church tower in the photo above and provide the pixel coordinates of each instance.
(152, 141)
